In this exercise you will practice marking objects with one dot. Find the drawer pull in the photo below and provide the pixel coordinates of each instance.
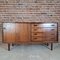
(35, 38)
(52, 29)
(52, 25)
(35, 29)
(35, 25)
(35, 34)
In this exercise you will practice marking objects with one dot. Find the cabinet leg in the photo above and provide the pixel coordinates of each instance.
(8, 47)
(51, 46)
(12, 44)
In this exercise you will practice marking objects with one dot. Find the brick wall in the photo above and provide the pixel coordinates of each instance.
(30, 10)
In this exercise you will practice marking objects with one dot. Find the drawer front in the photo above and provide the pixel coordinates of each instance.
(38, 29)
(44, 25)
(38, 34)
(44, 29)
(37, 39)
(43, 39)
(45, 34)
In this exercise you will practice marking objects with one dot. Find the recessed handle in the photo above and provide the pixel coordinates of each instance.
(35, 29)
(35, 38)
(52, 25)
(35, 25)
(35, 33)
(52, 29)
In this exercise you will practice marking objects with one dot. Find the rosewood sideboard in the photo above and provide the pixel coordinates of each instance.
(30, 33)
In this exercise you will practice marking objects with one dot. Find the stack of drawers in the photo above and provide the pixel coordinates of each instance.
(44, 32)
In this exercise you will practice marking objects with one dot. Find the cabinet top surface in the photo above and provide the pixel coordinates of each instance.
(31, 22)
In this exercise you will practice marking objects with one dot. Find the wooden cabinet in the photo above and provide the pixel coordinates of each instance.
(30, 32)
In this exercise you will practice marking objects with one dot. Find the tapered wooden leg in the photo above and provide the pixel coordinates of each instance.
(12, 44)
(8, 47)
(51, 46)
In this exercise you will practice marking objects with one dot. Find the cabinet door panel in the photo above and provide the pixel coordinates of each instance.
(22, 32)
(9, 32)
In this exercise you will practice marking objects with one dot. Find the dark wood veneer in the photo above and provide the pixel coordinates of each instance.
(29, 32)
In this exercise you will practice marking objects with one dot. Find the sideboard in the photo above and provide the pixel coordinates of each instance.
(30, 33)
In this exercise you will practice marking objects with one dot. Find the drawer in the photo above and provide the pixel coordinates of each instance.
(44, 29)
(37, 39)
(38, 29)
(44, 25)
(38, 34)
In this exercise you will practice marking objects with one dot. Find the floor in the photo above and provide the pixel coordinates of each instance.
(29, 52)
